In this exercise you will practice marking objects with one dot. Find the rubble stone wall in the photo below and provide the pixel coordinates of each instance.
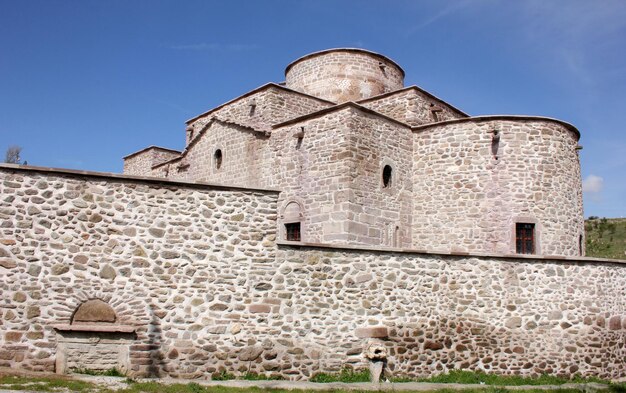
(196, 271)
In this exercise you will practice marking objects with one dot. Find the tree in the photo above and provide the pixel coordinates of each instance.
(12, 155)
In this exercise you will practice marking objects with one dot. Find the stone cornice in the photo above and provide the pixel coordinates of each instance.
(478, 119)
(349, 104)
(389, 250)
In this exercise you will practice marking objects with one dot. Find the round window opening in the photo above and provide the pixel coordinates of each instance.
(218, 158)
(387, 176)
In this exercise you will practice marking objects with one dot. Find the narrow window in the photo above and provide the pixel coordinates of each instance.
(434, 111)
(580, 245)
(495, 144)
(387, 176)
(292, 231)
(218, 158)
(524, 238)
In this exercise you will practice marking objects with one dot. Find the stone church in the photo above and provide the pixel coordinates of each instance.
(361, 159)
(306, 226)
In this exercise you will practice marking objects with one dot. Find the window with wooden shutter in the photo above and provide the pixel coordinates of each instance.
(525, 238)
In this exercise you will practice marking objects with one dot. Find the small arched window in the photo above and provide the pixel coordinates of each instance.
(217, 157)
(387, 176)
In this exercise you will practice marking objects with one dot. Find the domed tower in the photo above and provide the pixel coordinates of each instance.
(344, 74)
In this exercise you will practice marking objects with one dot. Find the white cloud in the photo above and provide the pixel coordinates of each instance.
(593, 184)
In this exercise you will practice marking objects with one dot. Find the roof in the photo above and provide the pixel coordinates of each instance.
(419, 90)
(325, 111)
(565, 124)
(252, 92)
(355, 50)
(149, 148)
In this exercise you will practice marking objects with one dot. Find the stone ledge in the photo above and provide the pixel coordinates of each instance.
(389, 250)
(95, 328)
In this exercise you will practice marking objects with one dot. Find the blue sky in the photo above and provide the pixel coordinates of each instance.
(83, 83)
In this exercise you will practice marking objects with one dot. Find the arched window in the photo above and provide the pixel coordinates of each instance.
(387, 176)
(217, 158)
(292, 218)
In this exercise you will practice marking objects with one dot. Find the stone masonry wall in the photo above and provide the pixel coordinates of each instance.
(344, 75)
(272, 105)
(378, 215)
(154, 252)
(141, 163)
(468, 199)
(412, 107)
(197, 272)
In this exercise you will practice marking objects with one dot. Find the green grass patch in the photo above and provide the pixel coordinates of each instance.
(605, 237)
(261, 377)
(222, 376)
(112, 372)
(347, 375)
(478, 377)
(46, 384)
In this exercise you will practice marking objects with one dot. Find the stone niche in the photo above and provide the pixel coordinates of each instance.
(94, 340)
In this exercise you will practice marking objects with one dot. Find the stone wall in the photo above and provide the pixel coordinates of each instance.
(413, 107)
(197, 275)
(141, 162)
(262, 108)
(342, 75)
(153, 251)
(468, 197)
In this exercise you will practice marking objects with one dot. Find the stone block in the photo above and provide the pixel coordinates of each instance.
(372, 332)
(260, 308)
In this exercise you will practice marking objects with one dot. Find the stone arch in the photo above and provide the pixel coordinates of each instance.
(94, 311)
(128, 308)
(292, 220)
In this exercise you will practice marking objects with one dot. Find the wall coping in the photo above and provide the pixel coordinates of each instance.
(389, 250)
(129, 178)
(478, 119)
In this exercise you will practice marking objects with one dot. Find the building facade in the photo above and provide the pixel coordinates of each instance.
(363, 160)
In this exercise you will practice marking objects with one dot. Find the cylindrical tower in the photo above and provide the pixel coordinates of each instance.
(344, 74)
(498, 184)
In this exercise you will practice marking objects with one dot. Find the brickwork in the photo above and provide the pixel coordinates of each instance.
(344, 75)
(196, 273)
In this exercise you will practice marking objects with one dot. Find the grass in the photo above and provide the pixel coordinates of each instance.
(605, 237)
(347, 375)
(67, 384)
(112, 372)
(477, 377)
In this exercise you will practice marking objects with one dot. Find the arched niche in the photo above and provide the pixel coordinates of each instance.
(94, 311)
